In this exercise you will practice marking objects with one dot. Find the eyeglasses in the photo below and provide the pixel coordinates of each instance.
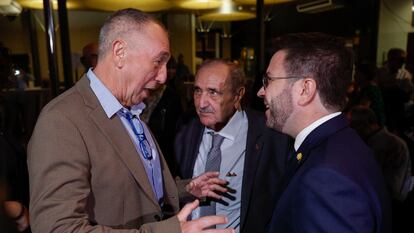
(144, 145)
(266, 79)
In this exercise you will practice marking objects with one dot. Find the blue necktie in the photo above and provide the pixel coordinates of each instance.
(212, 164)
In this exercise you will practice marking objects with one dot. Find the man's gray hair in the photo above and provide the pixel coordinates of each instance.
(120, 23)
(237, 76)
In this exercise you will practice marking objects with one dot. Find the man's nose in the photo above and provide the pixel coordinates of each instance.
(261, 92)
(162, 75)
(204, 100)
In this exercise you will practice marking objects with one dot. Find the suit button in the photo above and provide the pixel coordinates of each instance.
(157, 218)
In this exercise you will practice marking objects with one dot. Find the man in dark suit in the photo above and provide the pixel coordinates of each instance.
(332, 182)
(252, 156)
(93, 164)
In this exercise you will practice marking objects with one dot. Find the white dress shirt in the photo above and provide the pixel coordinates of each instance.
(306, 131)
(233, 151)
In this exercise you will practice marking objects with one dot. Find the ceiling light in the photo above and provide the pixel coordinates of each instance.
(251, 2)
(199, 4)
(227, 12)
(38, 4)
(5, 2)
(144, 5)
(12, 9)
(235, 16)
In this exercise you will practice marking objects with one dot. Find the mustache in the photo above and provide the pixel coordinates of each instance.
(154, 86)
(205, 110)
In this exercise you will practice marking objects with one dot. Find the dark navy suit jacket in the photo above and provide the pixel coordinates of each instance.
(265, 159)
(337, 186)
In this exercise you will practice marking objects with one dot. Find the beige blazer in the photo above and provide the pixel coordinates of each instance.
(86, 175)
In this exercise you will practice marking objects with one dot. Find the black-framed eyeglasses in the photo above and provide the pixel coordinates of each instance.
(266, 79)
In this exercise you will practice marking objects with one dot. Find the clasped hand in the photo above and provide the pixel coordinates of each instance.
(207, 185)
(200, 225)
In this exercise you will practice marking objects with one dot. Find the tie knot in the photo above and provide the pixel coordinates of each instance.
(217, 140)
(127, 114)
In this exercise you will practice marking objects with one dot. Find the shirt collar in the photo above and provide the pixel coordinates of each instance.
(232, 127)
(306, 131)
(107, 100)
(138, 109)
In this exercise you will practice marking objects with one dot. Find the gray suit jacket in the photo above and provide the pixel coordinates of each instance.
(86, 175)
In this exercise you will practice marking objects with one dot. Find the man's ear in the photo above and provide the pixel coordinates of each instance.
(307, 91)
(239, 97)
(119, 52)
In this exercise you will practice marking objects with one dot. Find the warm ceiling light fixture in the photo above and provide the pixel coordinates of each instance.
(144, 5)
(199, 4)
(5, 2)
(10, 8)
(228, 12)
(38, 4)
(253, 2)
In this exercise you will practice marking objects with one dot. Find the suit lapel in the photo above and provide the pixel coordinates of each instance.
(197, 136)
(320, 134)
(115, 132)
(314, 139)
(170, 187)
(254, 146)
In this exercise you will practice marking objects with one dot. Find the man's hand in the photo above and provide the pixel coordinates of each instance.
(202, 224)
(18, 213)
(206, 184)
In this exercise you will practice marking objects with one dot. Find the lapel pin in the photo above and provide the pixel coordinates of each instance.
(299, 157)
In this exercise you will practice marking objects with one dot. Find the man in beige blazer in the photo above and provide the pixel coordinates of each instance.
(91, 169)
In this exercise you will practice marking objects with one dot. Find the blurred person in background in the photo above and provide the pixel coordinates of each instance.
(390, 151)
(396, 86)
(14, 184)
(162, 112)
(89, 56)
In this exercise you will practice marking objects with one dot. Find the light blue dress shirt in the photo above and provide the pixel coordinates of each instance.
(111, 107)
(233, 151)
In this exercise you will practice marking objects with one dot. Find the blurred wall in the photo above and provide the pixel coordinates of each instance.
(394, 25)
(13, 36)
(182, 37)
(84, 28)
